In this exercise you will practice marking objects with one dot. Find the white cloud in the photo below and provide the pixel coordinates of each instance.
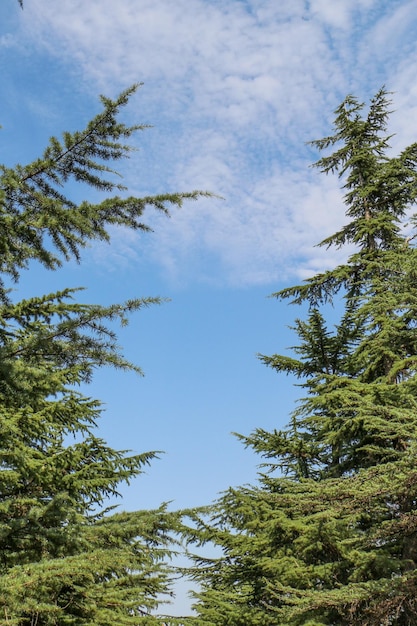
(340, 14)
(7, 41)
(237, 89)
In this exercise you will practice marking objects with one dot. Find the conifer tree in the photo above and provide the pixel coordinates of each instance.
(66, 557)
(328, 536)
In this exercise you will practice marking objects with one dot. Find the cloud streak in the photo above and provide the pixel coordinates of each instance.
(235, 89)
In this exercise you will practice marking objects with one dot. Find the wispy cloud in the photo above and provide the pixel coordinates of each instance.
(235, 90)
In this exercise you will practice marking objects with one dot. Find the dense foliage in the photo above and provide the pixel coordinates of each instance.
(65, 556)
(329, 535)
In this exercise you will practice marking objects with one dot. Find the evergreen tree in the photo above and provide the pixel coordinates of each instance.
(328, 537)
(65, 556)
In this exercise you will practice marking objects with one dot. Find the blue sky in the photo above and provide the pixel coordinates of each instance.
(234, 89)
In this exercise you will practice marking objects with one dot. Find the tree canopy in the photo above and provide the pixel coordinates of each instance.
(65, 556)
(328, 536)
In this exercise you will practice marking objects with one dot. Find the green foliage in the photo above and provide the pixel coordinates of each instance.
(38, 218)
(328, 537)
(65, 556)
